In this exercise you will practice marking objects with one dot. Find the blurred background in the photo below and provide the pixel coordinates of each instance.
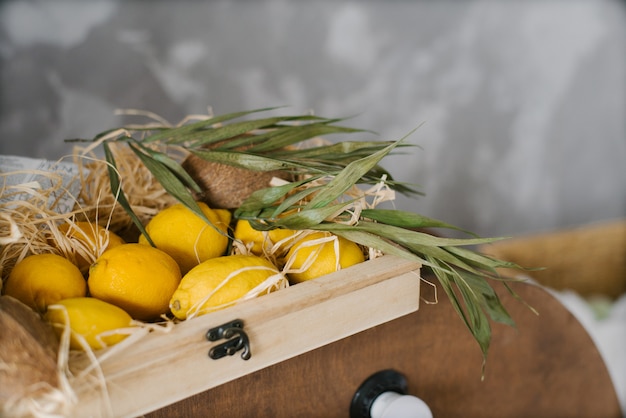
(520, 104)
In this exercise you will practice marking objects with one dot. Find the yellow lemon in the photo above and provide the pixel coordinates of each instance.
(90, 318)
(187, 237)
(42, 279)
(138, 278)
(221, 281)
(89, 241)
(321, 253)
(262, 242)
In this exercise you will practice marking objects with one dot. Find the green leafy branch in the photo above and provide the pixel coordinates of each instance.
(323, 173)
(397, 233)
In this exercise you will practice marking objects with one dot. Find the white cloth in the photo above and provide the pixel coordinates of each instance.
(605, 321)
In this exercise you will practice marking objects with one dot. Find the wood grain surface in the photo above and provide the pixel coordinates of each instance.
(547, 367)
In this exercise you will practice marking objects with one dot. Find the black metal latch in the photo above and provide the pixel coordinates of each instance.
(236, 340)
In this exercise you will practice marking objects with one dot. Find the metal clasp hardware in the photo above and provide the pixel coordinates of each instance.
(230, 347)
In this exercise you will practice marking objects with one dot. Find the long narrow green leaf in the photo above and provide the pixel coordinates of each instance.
(309, 217)
(292, 201)
(489, 299)
(117, 190)
(243, 160)
(172, 165)
(446, 283)
(211, 136)
(263, 198)
(518, 297)
(412, 241)
(378, 173)
(173, 185)
(440, 254)
(481, 260)
(170, 182)
(349, 176)
(473, 321)
(405, 219)
(248, 134)
(373, 241)
(480, 327)
(336, 151)
(415, 237)
(298, 134)
(168, 133)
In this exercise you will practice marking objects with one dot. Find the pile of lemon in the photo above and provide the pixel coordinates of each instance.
(189, 268)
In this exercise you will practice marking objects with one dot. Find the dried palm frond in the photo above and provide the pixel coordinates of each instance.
(316, 196)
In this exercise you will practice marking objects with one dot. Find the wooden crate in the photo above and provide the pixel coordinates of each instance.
(161, 369)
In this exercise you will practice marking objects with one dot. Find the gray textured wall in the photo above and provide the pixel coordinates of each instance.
(522, 102)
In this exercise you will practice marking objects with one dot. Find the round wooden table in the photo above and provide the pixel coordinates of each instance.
(547, 366)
